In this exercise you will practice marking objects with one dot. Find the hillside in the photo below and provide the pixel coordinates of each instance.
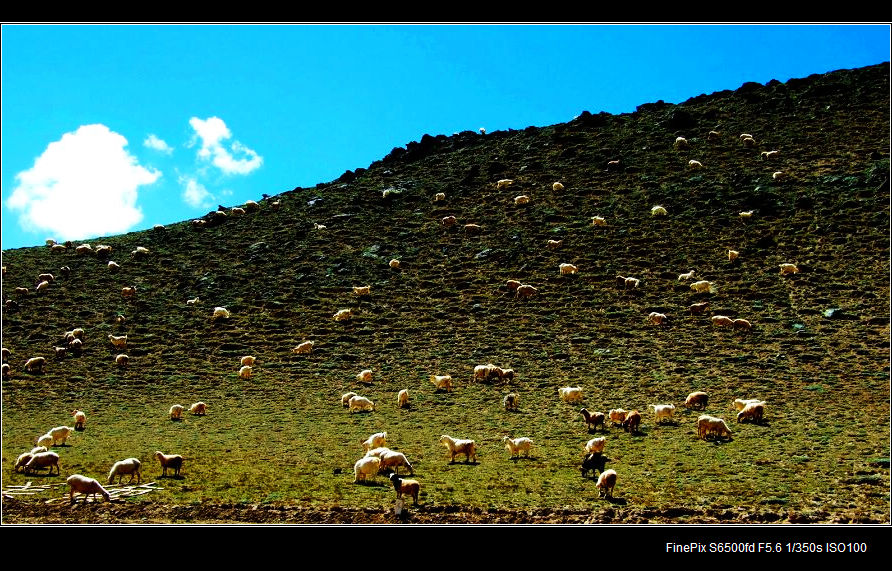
(818, 352)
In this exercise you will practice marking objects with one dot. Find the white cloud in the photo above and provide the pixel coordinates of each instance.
(84, 184)
(153, 142)
(194, 193)
(237, 159)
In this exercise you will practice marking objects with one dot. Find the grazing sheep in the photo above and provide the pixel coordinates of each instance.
(746, 214)
(657, 318)
(122, 360)
(701, 286)
(439, 197)
(593, 419)
(778, 176)
(613, 165)
(376, 440)
(60, 352)
(245, 372)
(617, 416)
(58, 248)
(741, 404)
(710, 425)
(84, 249)
(6, 370)
(248, 360)
(113, 266)
(507, 374)
(557, 187)
(487, 372)
(45, 278)
(570, 394)
(80, 419)
(343, 315)
(394, 263)
(449, 221)
(512, 285)
(317, 226)
(511, 401)
(118, 342)
(632, 421)
(663, 412)
(35, 364)
(120, 319)
(505, 182)
(524, 291)
(220, 313)
(695, 165)
(733, 255)
(364, 376)
(767, 155)
(303, 348)
(251, 206)
(86, 486)
(176, 412)
(517, 445)
(236, 211)
(25, 457)
(596, 445)
(76, 345)
(681, 143)
(722, 321)
(687, 276)
(473, 228)
(140, 252)
(45, 440)
(60, 434)
(129, 466)
(522, 199)
(360, 403)
(128, 292)
(752, 412)
(402, 398)
(360, 291)
(43, 460)
(458, 446)
(21, 291)
(748, 142)
(566, 269)
(198, 408)
(404, 486)
(631, 283)
(593, 462)
(699, 308)
(172, 461)
(482, 130)
(658, 211)
(193, 301)
(606, 483)
(365, 468)
(697, 400)
(345, 399)
(42, 286)
(198, 223)
(6, 353)
(742, 324)
(442, 382)
(392, 460)
(158, 227)
(788, 269)
(713, 136)
(554, 244)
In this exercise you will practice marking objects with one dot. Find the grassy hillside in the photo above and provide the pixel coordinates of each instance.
(281, 440)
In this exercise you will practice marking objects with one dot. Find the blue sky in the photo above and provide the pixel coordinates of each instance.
(108, 129)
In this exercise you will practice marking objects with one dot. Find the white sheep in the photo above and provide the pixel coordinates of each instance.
(80, 419)
(46, 278)
(343, 315)
(251, 206)
(599, 221)
(702, 286)
(663, 412)
(710, 425)
(35, 364)
(557, 187)
(659, 211)
(360, 403)
(566, 269)
(43, 460)
(631, 283)
(788, 269)
(113, 266)
(746, 214)
(596, 445)
(525, 290)
(742, 324)
(570, 394)
(42, 286)
(391, 459)
(25, 457)
(364, 376)
(439, 197)
(733, 255)
(606, 483)
(512, 285)
(722, 321)
(193, 301)
(748, 142)
(402, 398)
(304, 348)
(84, 249)
(172, 461)
(613, 165)
(695, 165)
(60, 434)
(504, 183)
(122, 360)
(511, 401)
(697, 400)
(518, 445)
(376, 440)
(128, 291)
(657, 318)
(473, 228)
(394, 263)
(221, 313)
(129, 466)
(248, 360)
(345, 398)
(681, 143)
(778, 175)
(767, 155)
(617, 415)
(449, 221)
(245, 372)
(753, 412)
(317, 226)
(360, 291)
(236, 211)
(366, 467)
(139, 252)
(554, 244)
(687, 276)
(442, 382)
(176, 412)
(45, 440)
(86, 486)
(741, 404)
(522, 199)
(118, 342)
(198, 408)
(58, 248)
(458, 446)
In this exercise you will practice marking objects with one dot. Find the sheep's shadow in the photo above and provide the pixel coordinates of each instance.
(615, 501)
(516, 458)
(174, 477)
(465, 463)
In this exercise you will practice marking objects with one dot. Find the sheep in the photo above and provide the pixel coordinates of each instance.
(58, 248)
(595, 445)
(220, 313)
(442, 382)
(50, 242)
(248, 360)
(42, 286)
(779, 176)
(21, 291)
(680, 143)
(366, 467)
(713, 136)
(753, 412)
(236, 211)
(788, 269)
(767, 155)
(657, 318)
(360, 403)
(746, 214)
(617, 416)
(663, 412)
(594, 462)
(176, 412)
(522, 199)
(86, 486)
(487, 372)
(394, 264)
(733, 255)
(120, 319)
(197, 224)
(75, 345)
(482, 130)
(449, 221)
(707, 425)
(511, 401)
(592, 419)
(658, 211)
(387, 192)
(84, 249)
(45, 278)
(613, 165)
(473, 228)
(391, 459)
(345, 398)
(360, 291)
(742, 324)
(172, 461)
(140, 252)
(343, 315)
(45, 440)
(119, 342)
(245, 372)
(25, 457)
(405, 486)
(317, 226)
(570, 394)
(517, 445)
(43, 460)
(304, 348)
(687, 276)
(128, 292)
(77, 333)
(606, 483)
(566, 269)
(103, 251)
(524, 291)
(599, 221)
(722, 321)
(10, 305)
(458, 446)
(402, 399)
(80, 419)
(631, 283)
(557, 187)
(250, 206)
(439, 197)
(113, 266)
(505, 182)
(696, 400)
(507, 374)
(632, 421)
(158, 228)
(554, 244)
(6, 353)
(376, 440)
(193, 301)
(60, 352)
(198, 408)
(35, 364)
(748, 142)
(701, 286)
(512, 285)
(741, 404)
(122, 360)
(276, 205)
(695, 165)
(129, 466)
(364, 376)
